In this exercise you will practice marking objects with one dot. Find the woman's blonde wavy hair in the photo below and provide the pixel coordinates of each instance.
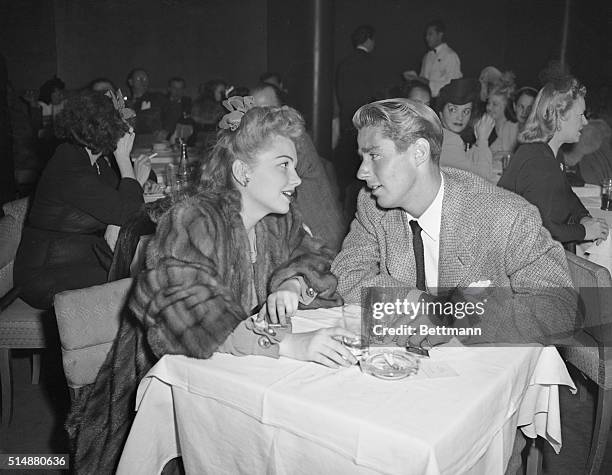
(551, 105)
(257, 127)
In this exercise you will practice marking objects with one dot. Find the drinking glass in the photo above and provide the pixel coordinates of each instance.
(351, 321)
(606, 194)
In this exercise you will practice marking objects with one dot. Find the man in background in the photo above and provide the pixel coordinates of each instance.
(356, 84)
(440, 64)
(148, 107)
(177, 109)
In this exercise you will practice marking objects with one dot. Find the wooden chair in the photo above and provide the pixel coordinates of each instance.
(88, 320)
(21, 326)
(591, 352)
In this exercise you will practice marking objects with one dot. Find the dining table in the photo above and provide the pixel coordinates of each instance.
(590, 196)
(253, 414)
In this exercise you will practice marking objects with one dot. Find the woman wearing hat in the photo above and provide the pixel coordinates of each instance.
(455, 105)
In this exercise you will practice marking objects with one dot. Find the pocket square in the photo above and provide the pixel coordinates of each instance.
(145, 105)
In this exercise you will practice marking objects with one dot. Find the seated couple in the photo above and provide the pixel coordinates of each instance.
(238, 245)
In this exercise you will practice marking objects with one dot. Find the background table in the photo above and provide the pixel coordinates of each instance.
(259, 415)
(590, 195)
(163, 158)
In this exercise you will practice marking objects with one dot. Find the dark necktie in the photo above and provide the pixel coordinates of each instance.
(419, 254)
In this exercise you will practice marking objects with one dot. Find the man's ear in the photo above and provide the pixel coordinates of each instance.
(421, 151)
(240, 172)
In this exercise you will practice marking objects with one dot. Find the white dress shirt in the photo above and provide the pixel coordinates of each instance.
(440, 65)
(430, 224)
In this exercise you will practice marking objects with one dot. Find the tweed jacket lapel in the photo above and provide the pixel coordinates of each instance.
(399, 257)
(457, 235)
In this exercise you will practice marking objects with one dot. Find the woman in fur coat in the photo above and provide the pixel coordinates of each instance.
(237, 248)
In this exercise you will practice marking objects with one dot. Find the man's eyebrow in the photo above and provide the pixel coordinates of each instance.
(293, 159)
(369, 149)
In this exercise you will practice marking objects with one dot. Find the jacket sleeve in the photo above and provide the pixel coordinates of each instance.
(359, 262)
(541, 304)
(309, 259)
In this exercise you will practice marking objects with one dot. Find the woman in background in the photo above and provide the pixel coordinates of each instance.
(536, 169)
(456, 103)
(499, 107)
(523, 102)
(78, 196)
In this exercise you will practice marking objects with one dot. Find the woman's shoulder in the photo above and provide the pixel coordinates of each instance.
(69, 156)
(535, 152)
(204, 209)
(536, 157)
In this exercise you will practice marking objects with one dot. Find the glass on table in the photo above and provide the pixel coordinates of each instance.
(501, 160)
(606, 194)
(351, 321)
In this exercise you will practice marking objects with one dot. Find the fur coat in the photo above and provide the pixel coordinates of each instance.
(195, 292)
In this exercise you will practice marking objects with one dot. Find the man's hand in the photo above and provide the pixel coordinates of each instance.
(421, 339)
(410, 75)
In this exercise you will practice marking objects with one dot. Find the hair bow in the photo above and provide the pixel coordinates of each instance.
(237, 107)
(119, 103)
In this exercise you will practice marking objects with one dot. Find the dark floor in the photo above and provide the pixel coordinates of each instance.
(39, 410)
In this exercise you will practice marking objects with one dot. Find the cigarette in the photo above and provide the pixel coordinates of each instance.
(153, 155)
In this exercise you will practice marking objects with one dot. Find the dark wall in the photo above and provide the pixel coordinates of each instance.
(520, 35)
(196, 39)
(27, 40)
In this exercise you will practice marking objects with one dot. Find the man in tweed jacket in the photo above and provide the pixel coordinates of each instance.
(473, 232)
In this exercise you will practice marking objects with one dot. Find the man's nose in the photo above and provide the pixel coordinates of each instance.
(364, 170)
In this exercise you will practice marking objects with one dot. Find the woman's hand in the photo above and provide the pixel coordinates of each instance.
(321, 346)
(595, 229)
(142, 169)
(282, 304)
(31, 97)
(483, 129)
(152, 187)
(124, 146)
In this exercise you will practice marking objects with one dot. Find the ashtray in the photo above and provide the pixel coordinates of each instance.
(390, 365)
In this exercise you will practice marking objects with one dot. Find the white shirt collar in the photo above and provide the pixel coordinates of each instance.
(439, 48)
(432, 217)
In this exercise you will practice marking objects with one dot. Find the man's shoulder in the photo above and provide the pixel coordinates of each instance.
(447, 50)
(356, 56)
(482, 198)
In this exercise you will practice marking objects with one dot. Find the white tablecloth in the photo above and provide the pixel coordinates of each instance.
(590, 195)
(258, 415)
